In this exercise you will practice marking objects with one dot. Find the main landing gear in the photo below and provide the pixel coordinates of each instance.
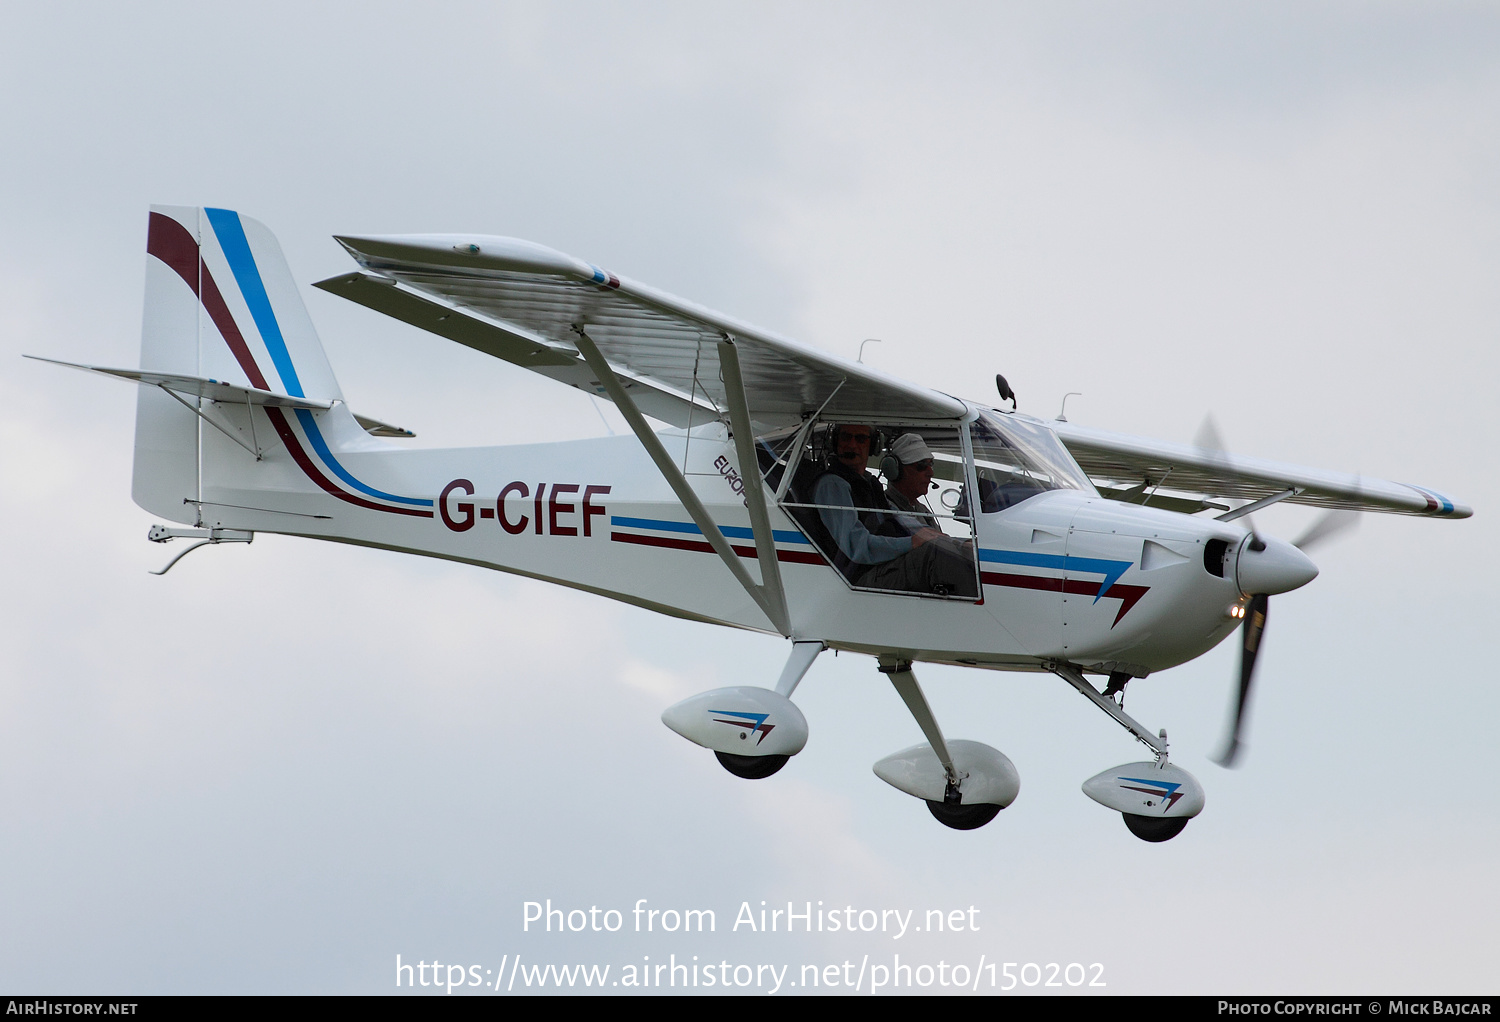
(752, 731)
(965, 784)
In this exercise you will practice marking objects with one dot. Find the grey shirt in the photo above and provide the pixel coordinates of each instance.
(913, 514)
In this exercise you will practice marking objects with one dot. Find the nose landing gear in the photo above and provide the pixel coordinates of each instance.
(1156, 798)
(1149, 828)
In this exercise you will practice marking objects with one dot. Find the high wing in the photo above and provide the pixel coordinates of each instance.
(1157, 472)
(525, 303)
(532, 306)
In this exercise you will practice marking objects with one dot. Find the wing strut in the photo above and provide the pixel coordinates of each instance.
(769, 597)
(1254, 506)
(744, 446)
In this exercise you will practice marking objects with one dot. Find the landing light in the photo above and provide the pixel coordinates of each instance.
(1236, 611)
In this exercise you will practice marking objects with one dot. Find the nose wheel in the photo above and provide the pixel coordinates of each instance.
(1150, 828)
(1156, 798)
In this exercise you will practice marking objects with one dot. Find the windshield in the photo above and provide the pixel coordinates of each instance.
(1015, 459)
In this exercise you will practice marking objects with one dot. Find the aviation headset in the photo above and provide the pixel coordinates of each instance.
(891, 467)
(829, 435)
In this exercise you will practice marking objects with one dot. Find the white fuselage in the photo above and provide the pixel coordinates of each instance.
(1066, 575)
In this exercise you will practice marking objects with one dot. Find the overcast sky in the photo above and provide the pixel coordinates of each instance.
(282, 765)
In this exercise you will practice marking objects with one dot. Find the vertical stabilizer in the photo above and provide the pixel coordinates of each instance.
(221, 303)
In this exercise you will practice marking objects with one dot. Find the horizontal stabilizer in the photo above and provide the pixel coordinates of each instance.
(197, 386)
(232, 393)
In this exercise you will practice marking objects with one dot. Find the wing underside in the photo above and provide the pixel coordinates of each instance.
(525, 304)
(1180, 477)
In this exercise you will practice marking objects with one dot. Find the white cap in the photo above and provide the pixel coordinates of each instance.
(910, 448)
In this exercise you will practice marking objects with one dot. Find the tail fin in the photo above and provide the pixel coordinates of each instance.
(221, 303)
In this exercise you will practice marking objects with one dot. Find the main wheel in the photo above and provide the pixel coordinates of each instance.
(963, 817)
(1155, 828)
(751, 768)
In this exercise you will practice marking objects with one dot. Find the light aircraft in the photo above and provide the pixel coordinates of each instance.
(1077, 551)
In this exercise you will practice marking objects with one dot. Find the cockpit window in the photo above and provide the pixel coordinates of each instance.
(1015, 459)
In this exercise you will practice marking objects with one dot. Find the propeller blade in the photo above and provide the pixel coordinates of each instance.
(1328, 525)
(1250, 636)
(1208, 436)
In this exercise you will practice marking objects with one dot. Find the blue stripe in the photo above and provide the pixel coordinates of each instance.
(1435, 495)
(226, 224)
(1169, 787)
(1111, 570)
(231, 234)
(310, 427)
(732, 531)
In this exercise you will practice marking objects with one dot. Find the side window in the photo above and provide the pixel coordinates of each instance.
(878, 503)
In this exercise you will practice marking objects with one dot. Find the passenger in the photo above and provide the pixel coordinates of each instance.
(874, 549)
(908, 471)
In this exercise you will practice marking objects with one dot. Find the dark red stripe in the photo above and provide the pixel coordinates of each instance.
(799, 557)
(995, 578)
(1128, 596)
(792, 556)
(284, 430)
(170, 242)
(218, 311)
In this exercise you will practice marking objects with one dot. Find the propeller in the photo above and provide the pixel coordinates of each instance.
(1250, 635)
(1326, 526)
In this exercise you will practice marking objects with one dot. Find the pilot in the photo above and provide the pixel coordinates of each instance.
(875, 549)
